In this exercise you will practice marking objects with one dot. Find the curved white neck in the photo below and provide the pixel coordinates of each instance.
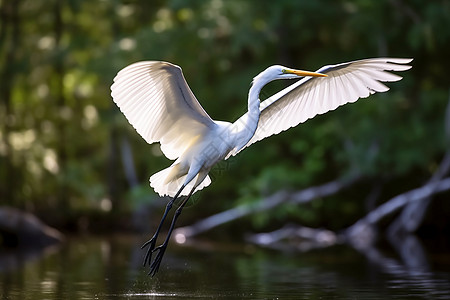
(246, 125)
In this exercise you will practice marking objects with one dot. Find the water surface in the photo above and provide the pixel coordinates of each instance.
(110, 268)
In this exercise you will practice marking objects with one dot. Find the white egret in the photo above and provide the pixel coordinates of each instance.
(157, 101)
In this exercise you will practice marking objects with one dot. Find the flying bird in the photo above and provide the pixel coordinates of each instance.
(158, 103)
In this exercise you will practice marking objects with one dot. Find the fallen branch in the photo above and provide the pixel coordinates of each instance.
(24, 230)
(399, 201)
(413, 214)
(358, 232)
(361, 235)
(272, 201)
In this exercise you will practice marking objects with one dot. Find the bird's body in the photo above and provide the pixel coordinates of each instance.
(191, 168)
(157, 101)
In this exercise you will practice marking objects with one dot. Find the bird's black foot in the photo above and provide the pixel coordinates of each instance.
(151, 243)
(154, 267)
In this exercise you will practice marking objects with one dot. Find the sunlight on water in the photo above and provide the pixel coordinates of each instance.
(151, 294)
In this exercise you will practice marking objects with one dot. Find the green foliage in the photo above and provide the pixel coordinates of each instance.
(60, 138)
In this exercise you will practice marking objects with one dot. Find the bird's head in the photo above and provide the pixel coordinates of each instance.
(288, 73)
(281, 72)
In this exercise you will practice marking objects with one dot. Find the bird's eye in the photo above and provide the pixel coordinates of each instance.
(283, 71)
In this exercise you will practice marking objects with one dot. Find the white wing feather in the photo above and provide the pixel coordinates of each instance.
(157, 101)
(310, 96)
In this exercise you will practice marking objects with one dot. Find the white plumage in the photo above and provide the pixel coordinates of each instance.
(157, 101)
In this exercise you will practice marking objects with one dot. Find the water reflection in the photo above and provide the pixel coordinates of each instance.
(110, 268)
(15, 258)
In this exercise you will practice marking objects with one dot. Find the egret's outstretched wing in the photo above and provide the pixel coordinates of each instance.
(157, 101)
(310, 96)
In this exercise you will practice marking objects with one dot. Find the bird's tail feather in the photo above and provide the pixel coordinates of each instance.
(166, 186)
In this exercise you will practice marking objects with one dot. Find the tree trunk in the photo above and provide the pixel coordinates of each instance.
(60, 102)
(9, 39)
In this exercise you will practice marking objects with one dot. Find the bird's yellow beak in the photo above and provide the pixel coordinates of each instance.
(304, 73)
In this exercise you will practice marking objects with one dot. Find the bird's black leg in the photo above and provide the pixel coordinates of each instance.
(154, 267)
(152, 242)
